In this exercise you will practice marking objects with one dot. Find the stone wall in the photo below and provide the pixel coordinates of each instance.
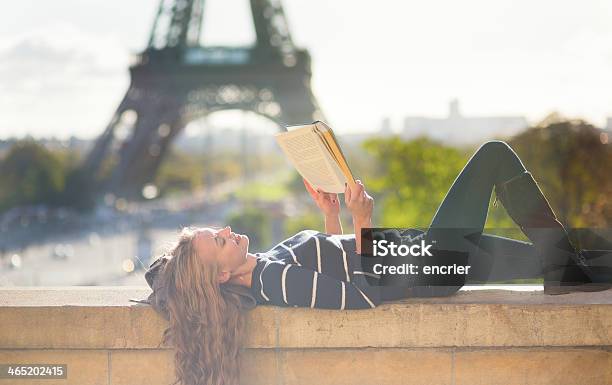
(475, 337)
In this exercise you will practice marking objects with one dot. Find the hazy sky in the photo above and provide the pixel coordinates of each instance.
(63, 63)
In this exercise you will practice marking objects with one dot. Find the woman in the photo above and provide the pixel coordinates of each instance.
(209, 278)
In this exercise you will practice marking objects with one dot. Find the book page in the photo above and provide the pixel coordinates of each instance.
(329, 154)
(328, 137)
(304, 149)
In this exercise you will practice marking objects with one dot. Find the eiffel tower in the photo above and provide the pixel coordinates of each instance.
(177, 80)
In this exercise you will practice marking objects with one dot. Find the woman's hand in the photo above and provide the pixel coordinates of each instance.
(328, 203)
(359, 203)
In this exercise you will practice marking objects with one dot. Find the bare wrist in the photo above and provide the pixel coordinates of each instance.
(333, 224)
(363, 221)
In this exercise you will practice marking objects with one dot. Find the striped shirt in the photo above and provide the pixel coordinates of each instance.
(313, 269)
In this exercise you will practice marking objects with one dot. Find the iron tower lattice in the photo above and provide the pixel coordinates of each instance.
(176, 80)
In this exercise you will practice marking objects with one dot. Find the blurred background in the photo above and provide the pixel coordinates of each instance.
(121, 122)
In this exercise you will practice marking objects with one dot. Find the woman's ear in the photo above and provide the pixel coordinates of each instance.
(223, 276)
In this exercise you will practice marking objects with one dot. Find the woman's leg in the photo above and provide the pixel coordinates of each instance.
(459, 221)
(467, 201)
(495, 258)
(499, 258)
(460, 218)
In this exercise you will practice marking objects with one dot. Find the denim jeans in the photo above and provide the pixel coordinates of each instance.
(459, 220)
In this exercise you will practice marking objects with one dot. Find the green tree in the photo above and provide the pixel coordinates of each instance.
(178, 172)
(410, 178)
(571, 161)
(31, 174)
(79, 190)
(311, 220)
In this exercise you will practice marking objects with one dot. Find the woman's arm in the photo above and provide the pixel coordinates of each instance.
(333, 224)
(360, 205)
(358, 224)
(329, 205)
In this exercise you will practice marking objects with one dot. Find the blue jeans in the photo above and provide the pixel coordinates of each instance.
(459, 220)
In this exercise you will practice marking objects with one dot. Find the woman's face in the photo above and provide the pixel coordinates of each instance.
(227, 249)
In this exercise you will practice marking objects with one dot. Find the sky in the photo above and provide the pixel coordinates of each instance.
(63, 63)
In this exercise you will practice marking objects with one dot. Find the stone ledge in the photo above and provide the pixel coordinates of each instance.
(484, 337)
(103, 318)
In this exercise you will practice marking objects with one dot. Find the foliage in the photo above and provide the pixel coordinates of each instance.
(571, 161)
(183, 172)
(309, 220)
(79, 190)
(179, 172)
(269, 192)
(31, 175)
(411, 178)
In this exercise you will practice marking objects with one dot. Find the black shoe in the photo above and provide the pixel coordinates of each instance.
(567, 285)
(565, 269)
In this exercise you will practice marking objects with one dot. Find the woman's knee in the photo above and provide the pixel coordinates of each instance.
(495, 147)
(494, 150)
(498, 152)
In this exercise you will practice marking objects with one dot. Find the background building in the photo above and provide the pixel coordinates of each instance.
(458, 129)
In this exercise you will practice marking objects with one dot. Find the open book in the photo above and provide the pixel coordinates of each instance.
(315, 153)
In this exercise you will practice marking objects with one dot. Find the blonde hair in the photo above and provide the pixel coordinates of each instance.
(206, 323)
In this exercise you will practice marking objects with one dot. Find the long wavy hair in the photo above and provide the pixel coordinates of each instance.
(206, 323)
